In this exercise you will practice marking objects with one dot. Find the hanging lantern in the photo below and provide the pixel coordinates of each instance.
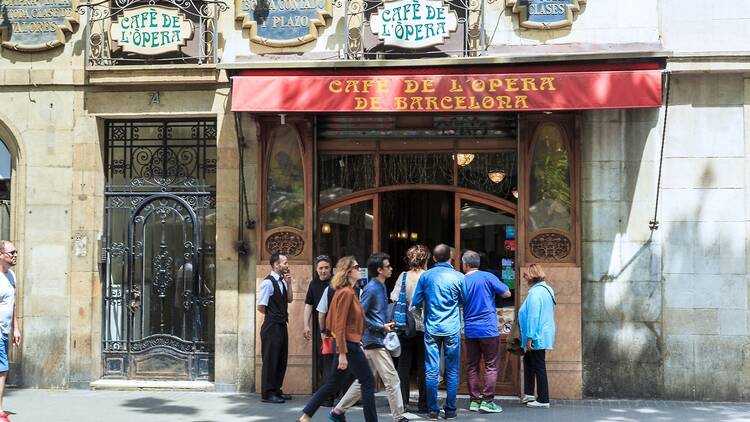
(414, 236)
(325, 228)
(463, 160)
(496, 176)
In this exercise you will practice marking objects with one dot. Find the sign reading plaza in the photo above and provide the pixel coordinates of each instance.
(32, 25)
(414, 23)
(545, 14)
(283, 23)
(151, 30)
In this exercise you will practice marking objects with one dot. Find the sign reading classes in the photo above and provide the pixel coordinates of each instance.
(545, 14)
(448, 93)
(151, 30)
(414, 23)
(33, 25)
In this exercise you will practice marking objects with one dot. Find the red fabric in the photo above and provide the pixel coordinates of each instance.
(476, 92)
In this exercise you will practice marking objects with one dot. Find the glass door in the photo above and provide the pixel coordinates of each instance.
(491, 232)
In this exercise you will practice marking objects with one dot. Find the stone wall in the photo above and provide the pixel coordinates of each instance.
(664, 310)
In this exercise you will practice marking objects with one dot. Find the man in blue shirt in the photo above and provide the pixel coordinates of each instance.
(480, 331)
(440, 291)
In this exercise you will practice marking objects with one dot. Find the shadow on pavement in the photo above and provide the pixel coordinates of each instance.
(158, 406)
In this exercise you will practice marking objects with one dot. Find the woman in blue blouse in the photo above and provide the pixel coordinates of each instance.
(536, 318)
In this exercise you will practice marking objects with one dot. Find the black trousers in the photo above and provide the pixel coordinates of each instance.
(358, 366)
(412, 357)
(274, 341)
(534, 369)
(328, 368)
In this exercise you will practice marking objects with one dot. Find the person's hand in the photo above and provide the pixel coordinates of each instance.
(529, 344)
(16, 337)
(307, 333)
(388, 327)
(323, 336)
(343, 364)
(288, 278)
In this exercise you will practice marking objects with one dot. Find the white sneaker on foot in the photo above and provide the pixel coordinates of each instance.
(527, 398)
(537, 404)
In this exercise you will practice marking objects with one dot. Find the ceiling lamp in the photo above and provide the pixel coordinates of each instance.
(325, 228)
(496, 176)
(414, 236)
(515, 192)
(463, 160)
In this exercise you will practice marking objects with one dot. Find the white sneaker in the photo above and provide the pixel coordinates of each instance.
(527, 398)
(537, 404)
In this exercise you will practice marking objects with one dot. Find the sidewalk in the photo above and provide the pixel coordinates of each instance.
(27, 405)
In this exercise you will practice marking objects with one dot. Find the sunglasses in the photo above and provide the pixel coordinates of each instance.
(354, 267)
(11, 252)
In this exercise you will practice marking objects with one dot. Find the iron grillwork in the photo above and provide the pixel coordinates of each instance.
(101, 50)
(159, 249)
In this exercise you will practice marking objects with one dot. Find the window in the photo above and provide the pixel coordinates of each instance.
(286, 183)
(550, 188)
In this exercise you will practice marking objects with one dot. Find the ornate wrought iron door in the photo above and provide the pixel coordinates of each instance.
(160, 230)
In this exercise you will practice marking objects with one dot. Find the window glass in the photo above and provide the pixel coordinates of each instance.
(549, 195)
(408, 169)
(4, 191)
(347, 231)
(495, 173)
(286, 184)
(340, 175)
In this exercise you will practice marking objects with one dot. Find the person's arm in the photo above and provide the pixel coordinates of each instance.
(367, 300)
(289, 288)
(307, 331)
(266, 290)
(16, 331)
(396, 289)
(339, 314)
(418, 298)
(499, 287)
(531, 325)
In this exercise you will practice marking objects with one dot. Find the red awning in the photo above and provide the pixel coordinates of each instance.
(449, 89)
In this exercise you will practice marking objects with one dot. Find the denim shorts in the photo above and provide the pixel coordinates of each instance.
(4, 354)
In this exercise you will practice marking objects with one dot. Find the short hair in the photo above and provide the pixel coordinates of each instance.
(323, 258)
(471, 259)
(341, 274)
(535, 273)
(3, 244)
(374, 262)
(442, 252)
(275, 257)
(417, 256)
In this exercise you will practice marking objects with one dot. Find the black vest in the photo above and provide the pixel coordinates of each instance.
(276, 311)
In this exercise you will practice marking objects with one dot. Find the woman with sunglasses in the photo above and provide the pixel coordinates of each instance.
(346, 321)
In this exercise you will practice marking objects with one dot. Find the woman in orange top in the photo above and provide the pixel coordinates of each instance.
(347, 323)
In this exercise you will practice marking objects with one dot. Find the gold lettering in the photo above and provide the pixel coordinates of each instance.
(446, 103)
(495, 84)
(375, 103)
(547, 82)
(360, 103)
(460, 103)
(416, 103)
(529, 84)
(411, 86)
(427, 86)
(473, 103)
(521, 101)
(432, 103)
(335, 86)
(352, 86)
(366, 84)
(400, 103)
(381, 86)
(477, 85)
(455, 87)
(488, 103)
(511, 84)
(503, 101)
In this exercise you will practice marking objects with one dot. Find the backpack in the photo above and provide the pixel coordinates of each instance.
(405, 324)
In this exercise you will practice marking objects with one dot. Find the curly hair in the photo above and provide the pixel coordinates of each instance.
(341, 273)
(417, 256)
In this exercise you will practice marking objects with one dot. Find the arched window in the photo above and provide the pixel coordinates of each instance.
(5, 176)
(285, 180)
(549, 190)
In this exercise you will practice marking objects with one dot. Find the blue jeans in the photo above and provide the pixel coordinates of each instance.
(451, 346)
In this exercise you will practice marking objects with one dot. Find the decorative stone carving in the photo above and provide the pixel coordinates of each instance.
(550, 246)
(36, 25)
(285, 243)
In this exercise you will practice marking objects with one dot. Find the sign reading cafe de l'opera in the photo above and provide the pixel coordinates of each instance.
(151, 30)
(34, 25)
(283, 23)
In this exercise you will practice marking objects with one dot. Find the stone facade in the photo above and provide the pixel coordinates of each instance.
(647, 314)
